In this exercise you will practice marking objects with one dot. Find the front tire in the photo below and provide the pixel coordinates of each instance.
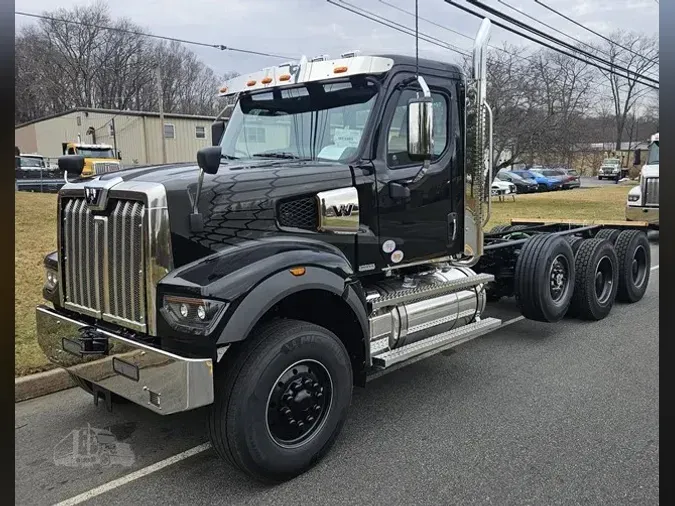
(281, 400)
(544, 278)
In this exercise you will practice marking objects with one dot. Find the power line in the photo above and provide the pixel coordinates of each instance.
(558, 31)
(432, 40)
(141, 34)
(546, 36)
(524, 58)
(557, 49)
(588, 29)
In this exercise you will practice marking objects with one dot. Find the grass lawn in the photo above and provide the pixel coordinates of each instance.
(35, 225)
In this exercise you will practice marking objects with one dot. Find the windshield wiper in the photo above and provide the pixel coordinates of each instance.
(284, 155)
(229, 157)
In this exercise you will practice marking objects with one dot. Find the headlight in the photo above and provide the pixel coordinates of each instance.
(633, 198)
(191, 315)
(51, 279)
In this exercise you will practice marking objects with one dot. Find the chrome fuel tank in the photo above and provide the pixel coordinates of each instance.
(413, 321)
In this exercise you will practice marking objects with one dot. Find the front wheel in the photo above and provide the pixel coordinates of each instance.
(281, 400)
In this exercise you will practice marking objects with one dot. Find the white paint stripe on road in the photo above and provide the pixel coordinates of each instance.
(134, 476)
(78, 499)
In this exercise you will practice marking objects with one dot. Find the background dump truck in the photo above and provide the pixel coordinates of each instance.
(642, 203)
(98, 158)
(279, 272)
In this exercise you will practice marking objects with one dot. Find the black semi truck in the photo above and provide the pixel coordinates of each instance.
(331, 234)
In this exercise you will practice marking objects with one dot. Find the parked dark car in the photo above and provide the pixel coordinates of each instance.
(544, 183)
(571, 178)
(522, 185)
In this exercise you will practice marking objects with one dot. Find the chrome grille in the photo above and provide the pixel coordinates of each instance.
(650, 191)
(105, 167)
(103, 257)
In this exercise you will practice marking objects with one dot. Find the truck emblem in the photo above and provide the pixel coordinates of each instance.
(91, 195)
(343, 209)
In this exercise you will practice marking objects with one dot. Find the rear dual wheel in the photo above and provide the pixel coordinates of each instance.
(596, 280)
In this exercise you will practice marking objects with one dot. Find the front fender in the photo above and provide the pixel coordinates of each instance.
(257, 302)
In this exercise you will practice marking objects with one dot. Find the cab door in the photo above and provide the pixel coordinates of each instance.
(417, 219)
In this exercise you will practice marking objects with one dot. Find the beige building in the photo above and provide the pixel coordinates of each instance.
(137, 134)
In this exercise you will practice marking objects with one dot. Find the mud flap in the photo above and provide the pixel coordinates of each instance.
(102, 392)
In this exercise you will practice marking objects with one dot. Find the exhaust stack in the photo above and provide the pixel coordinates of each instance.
(477, 193)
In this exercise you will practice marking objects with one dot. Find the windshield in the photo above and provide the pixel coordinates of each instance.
(526, 174)
(550, 173)
(313, 122)
(653, 158)
(31, 162)
(96, 152)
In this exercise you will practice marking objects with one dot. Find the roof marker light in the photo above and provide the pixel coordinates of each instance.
(251, 82)
(340, 70)
(285, 77)
(266, 80)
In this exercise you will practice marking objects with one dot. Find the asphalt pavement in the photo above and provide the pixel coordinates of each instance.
(594, 182)
(533, 413)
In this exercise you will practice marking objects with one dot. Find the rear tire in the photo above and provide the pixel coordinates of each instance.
(575, 241)
(596, 280)
(498, 229)
(608, 233)
(267, 394)
(544, 278)
(634, 254)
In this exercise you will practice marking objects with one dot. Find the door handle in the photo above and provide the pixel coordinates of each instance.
(398, 191)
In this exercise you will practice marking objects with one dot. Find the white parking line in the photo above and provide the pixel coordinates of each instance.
(78, 499)
(134, 476)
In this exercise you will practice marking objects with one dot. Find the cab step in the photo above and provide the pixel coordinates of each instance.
(428, 291)
(427, 347)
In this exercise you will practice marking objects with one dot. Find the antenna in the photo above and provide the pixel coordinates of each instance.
(417, 39)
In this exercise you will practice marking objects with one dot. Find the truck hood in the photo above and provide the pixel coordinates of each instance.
(650, 171)
(240, 203)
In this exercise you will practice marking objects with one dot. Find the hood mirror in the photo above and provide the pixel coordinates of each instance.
(71, 163)
(208, 159)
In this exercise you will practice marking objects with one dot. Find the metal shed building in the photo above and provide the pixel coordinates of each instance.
(136, 134)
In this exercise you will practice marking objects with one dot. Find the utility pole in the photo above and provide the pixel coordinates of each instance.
(114, 132)
(161, 112)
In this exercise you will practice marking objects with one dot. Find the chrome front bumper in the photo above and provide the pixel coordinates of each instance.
(161, 381)
(648, 214)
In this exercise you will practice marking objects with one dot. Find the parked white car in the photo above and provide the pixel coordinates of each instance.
(502, 187)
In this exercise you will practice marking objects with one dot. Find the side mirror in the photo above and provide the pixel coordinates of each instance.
(217, 130)
(420, 129)
(208, 159)
(73, 164)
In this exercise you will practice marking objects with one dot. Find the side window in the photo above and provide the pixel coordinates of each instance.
(397, 138)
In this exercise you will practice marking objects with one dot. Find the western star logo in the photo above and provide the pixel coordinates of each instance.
(91, 195)
(343, 209)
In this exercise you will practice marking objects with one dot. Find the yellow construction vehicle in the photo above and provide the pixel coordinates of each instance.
(98, 158)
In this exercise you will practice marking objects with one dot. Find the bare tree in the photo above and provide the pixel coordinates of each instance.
(640, 55)
(62, 65)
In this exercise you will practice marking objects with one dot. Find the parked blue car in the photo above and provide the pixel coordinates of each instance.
(543, 182)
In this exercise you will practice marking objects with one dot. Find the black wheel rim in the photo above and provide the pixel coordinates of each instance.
(559, 278)
(638, 266)
(604, 280)
(299, 402)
